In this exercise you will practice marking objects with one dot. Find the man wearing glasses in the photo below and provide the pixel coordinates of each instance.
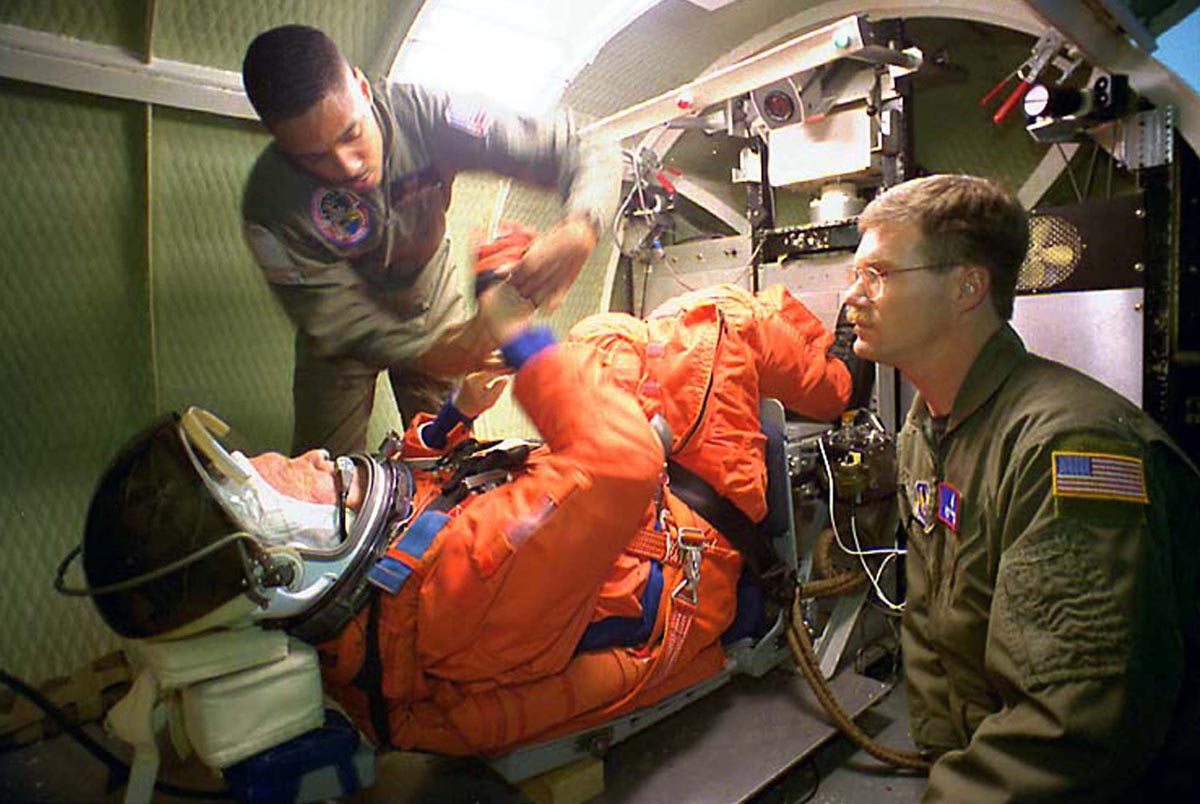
(1051, 636)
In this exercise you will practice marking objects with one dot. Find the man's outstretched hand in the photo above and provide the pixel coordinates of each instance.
(553, 261)
(504, 312)
(480, 389)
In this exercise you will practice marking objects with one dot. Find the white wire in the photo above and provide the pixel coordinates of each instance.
(637, 189)
(833, 520)
(874, 579)
(889, 553)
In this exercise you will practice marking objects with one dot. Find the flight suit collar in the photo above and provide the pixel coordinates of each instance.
(998, 359)
(387, 127)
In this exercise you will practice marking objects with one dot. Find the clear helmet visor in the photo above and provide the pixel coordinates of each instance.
(179, 527)
(314, 547)
(158, 552)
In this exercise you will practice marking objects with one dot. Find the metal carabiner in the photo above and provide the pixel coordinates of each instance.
(690, 544)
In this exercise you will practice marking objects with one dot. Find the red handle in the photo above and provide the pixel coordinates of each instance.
(665, 182)
(1012, 101)
(986, 99)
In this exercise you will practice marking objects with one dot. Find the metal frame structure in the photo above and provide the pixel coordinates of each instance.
(57, 61)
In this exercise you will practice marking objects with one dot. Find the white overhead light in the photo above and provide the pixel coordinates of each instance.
(522, 53)
(711, 5)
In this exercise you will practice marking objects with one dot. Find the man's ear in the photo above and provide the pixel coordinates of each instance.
(364, 85)
(973, 286)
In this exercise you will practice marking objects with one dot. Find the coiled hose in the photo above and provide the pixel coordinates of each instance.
(837, 583)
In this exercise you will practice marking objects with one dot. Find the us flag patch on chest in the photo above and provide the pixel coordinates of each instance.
(1099, 477)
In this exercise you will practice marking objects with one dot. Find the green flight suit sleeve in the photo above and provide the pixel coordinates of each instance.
(467, 135)
(1083, 646)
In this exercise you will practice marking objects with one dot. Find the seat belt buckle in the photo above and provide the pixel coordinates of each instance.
(689, 544)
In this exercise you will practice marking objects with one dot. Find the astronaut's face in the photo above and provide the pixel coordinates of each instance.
(307, 477)
(338, 138)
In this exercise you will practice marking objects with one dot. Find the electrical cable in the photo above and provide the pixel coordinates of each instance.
(744, 270)
(114, 764)
(874, 579)
(889, 553)
(801, 642)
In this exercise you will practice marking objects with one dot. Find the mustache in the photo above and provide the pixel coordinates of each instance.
(856, 316)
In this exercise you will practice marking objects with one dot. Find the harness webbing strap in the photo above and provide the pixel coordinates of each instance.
(649, 544)
(747, 537)
(683, 613)
(370, 678)
(405, 553)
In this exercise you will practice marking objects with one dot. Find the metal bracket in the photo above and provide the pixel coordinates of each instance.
(1145, 140)
(832, 644)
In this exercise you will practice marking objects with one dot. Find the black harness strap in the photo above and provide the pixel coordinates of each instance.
(750, 539)
(370, 678)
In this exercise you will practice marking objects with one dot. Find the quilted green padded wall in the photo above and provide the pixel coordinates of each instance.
(75, 364)
(667, 46)
(215, 32)
(223, 341)
(951, 132)
(108, 22)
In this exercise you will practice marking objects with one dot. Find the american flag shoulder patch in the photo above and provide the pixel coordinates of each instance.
(469, 116)
(1099, 476)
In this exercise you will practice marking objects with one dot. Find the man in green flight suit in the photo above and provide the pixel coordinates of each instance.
(1051, 634)
(345, 212)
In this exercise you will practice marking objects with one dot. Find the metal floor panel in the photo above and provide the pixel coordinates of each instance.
(728, 746)
(724, 748)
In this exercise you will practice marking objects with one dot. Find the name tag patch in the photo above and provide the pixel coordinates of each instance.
(1099, 476)
(948, 505)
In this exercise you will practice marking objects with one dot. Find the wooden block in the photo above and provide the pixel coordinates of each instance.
(570, 784)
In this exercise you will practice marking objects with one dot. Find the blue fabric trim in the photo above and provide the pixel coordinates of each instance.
(420, 532)
(389, 574)
(435, 433)
(627, 632)
(526, 345)
(751, 617)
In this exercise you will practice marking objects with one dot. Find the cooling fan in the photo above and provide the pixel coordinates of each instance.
(1055, 250)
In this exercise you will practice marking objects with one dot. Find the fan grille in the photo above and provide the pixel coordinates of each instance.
(1055, 248)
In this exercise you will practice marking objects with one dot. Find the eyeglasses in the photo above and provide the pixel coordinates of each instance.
(872, 279)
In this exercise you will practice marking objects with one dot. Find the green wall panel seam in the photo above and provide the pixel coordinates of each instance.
(148, 256)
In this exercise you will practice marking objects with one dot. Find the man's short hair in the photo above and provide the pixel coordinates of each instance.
(964, 220)
(288, 69)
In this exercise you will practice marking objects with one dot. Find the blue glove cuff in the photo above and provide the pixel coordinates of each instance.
(435, 433)
(526, 345)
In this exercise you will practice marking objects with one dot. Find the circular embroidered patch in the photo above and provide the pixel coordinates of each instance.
(340, 217)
